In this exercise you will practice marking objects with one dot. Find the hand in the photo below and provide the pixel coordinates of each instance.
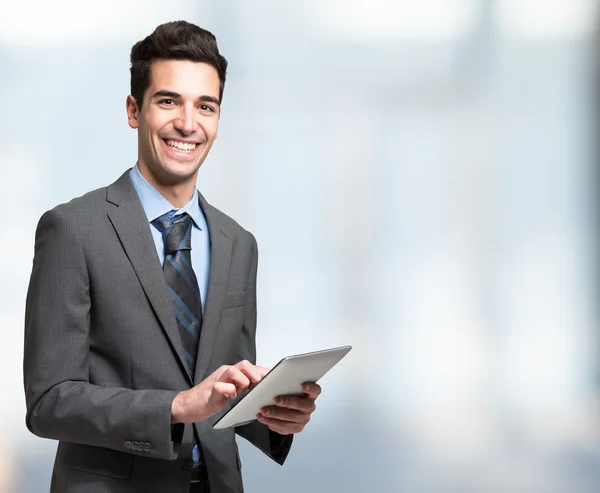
(291, 413)
(211, 395)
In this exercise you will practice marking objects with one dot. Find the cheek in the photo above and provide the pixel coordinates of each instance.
(210, 128)
(153, 137)
(154, 125)
(148, 140)
(213, 135)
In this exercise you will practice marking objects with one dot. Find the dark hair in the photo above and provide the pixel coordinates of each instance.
(179, 40)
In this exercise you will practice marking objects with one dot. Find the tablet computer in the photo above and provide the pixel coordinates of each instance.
(285, 378)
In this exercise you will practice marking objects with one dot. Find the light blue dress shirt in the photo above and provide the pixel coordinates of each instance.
(155, 205)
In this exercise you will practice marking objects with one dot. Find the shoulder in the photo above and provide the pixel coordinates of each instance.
(229, 226)
(79, 213)
(93, 201)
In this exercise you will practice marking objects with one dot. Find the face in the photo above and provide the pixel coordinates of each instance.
(178, 122)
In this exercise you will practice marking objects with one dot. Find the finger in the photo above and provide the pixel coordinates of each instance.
(262, 370)
(281, 427)
(219, 371)
(283, 414)
(235, 376)
(312, 389)
(304, 404)
(221, 393)
(251, 371)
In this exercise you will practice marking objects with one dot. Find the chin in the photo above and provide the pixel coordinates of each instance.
(179, 172)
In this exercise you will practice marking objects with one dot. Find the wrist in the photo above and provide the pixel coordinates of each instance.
(178, 409)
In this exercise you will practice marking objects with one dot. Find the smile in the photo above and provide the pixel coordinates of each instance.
(181, 146)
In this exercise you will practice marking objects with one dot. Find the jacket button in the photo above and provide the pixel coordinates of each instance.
(128, 445)
(188, 464)
(147, 447)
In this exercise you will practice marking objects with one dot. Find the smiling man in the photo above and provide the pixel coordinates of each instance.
(141, 311)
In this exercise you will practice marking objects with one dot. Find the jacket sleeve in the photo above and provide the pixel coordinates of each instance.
(273, 444)
(61, 402)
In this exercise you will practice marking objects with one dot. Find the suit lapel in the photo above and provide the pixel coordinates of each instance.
(220, 259)
(131, 224)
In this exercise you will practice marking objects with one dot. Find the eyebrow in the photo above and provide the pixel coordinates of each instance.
(174, 95)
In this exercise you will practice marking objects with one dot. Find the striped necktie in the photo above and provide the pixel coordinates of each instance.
(181, 281)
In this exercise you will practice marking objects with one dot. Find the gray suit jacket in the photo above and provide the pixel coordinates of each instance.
(103, 358)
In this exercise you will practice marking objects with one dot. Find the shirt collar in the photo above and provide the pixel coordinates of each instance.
(155, 205)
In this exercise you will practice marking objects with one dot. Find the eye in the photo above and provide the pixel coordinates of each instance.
(166, 102)
(206, 107)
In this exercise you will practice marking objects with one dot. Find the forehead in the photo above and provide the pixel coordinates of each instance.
(190, 79)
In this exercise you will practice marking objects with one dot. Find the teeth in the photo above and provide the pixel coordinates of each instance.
(181, 146)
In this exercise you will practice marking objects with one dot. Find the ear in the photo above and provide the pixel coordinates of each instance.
(133, 112)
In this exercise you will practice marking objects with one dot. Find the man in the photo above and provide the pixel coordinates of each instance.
(141, 310)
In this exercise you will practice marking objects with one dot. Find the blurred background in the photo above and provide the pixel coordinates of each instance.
(422, 181)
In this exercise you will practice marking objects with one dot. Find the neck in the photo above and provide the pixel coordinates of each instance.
(176, 193)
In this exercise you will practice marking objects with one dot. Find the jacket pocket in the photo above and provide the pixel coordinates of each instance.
(234, 299)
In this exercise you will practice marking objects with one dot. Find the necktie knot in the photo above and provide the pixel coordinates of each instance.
(176, 232)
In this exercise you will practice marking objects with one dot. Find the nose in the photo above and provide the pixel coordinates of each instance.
(186, 122)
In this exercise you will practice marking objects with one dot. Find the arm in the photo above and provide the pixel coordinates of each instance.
(61, 403)
(271, 443)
